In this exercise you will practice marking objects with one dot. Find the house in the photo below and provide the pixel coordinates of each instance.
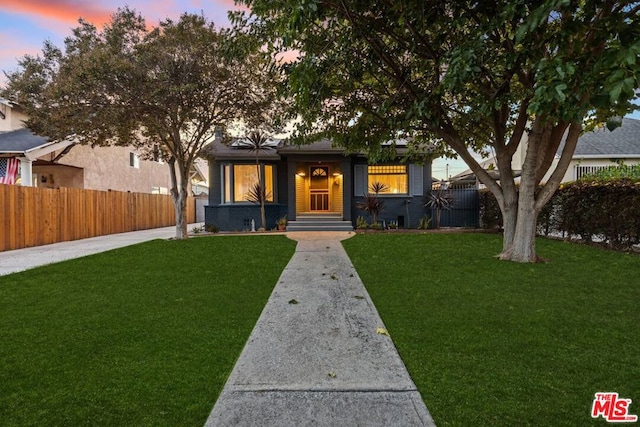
(467, 179)
(603, 148)
(54, 164)
(316, 186)
(596, 150)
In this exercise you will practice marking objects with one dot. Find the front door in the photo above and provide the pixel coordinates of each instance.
(319, 188)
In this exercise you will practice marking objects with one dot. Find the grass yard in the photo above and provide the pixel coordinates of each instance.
(144, 335)
(492, 343)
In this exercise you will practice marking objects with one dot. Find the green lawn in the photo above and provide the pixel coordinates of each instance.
(490, 342)
(144, 335)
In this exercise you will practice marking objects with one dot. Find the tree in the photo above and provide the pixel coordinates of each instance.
(483, 76)
(168, 88)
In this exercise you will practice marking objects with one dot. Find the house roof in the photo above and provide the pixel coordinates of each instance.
(236, 151)
(489, 165)
(624, 141)
(322, 146)
(218, 150)
(25, 143)
(20, 141)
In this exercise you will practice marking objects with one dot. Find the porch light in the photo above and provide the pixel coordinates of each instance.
(301, 174)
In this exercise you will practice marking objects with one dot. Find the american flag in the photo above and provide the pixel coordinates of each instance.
(8, 170)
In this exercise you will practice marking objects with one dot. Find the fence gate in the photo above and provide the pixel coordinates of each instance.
(465, 211)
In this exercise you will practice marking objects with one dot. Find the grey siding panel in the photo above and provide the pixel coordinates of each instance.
(347, 188)
(407, 211)
(238, 217)
(360, 180)
(416, 180)
(215, 183)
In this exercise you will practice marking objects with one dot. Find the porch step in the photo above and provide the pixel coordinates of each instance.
(319, 222)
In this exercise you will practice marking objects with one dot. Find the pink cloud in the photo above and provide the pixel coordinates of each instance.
(67, 11)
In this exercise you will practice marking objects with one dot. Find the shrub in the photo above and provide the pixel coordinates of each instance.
(371, 205)
(631, 172)
(375, 226)
(490, 215)
(361, 223)
(594, 209)
(210, 228)
(604, 209)
(424, 223)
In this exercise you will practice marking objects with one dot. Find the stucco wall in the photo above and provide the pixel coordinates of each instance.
(13, 119)
(107, 168)
(56, 176)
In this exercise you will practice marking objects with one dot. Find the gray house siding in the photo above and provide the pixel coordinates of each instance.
(237, 217)
(407, 209)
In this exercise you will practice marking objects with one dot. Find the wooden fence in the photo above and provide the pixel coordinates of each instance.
(32, 216)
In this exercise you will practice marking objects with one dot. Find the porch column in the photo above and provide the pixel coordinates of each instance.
(347, 189)
(26, 172)
(291, 184)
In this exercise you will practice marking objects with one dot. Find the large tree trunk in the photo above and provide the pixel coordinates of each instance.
(522, 247)
(509, 220)
(179, 196)
(180, 203)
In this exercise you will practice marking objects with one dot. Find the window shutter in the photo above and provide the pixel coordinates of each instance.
(360, 180)
(416, 180)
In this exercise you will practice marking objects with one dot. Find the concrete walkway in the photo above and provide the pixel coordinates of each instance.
(316, 356)
(24, 259)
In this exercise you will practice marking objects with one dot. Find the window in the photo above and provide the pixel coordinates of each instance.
(159, 190)
(238, 180)
(157, 154)
(134, 160)
(393, 177)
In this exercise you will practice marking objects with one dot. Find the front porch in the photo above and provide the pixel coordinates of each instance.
(320, 190)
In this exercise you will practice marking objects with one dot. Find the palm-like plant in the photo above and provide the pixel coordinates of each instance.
(259, 195)
(378, 187)
(371, 204)
(257, 141)
(439, 200)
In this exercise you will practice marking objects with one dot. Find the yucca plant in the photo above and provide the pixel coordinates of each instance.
(439, 200)
(258, 194)
(371, 204)
(378, 187)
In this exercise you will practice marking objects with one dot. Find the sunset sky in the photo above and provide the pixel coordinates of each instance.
(26, 24)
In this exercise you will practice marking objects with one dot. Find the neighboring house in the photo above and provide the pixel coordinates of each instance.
(316, 186)
(467, 178)
(54, 164)
(12, 116)
(602, 148)
(596, 150)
